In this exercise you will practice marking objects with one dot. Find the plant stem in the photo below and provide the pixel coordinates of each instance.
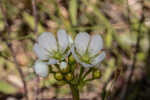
(87, 73)
(81, 73)
(75, 92)
(91, 79)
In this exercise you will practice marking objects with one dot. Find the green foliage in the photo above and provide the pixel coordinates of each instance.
(73, 7)
(30, 20)
(6, 87)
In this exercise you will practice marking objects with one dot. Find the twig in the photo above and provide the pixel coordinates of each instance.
(86, 73)
(12, 52)
(36, 89)
(35, 18)
(125, 89)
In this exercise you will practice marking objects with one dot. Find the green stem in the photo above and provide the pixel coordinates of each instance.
(75, 92)
(81, 73)
(91, 79)
(87, 73)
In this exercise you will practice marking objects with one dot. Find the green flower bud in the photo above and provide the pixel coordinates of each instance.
(64, 67)
(96, 74)
(58, 76)
(66, 70)
(71, 59)
(73, 67)
(69, 77)
(61, 83)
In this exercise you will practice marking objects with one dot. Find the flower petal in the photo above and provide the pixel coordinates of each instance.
(41, 68)
(95, 45)
(52, 61)
(40, 52)
(78, 60)
(99, 58)
(66, 54)
(81, 42)
(70, 41)
(63, 40)
(48, 41)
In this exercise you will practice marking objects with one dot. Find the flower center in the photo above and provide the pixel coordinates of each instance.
(86, 58)
(57, 55)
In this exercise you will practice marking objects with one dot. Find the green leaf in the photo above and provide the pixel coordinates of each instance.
(111, 67)
(108, 40)
(73, 11)
(7, 88)
(141, 56)
(30, 20)
(126, 40)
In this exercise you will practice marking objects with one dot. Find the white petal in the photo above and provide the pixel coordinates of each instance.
(66, 55)
(81, 42)
(41, 68)
(70, 40)
(40, 52)
(99, 58)
(63, 65)
(86, 65)
(48, 41)
(52, 61)
(95, 45)
(78, 60)
(63, 40)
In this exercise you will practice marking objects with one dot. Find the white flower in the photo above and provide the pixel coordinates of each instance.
(52, 49)
(87, 50)
(41, 68)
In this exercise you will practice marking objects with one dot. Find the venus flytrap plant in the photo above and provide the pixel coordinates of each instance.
(66, 55)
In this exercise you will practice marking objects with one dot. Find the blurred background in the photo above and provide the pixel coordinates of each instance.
(123, 24)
